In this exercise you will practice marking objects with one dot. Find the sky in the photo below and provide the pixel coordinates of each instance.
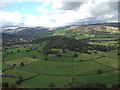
(56, 13)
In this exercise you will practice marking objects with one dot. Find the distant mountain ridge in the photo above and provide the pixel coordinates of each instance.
(76, 31)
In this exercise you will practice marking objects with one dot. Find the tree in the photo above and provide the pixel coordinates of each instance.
(99, 71)
(21, 64)
(95, 52)
(20, 77)
(118, 53)
(13, 86)
(100, 85)
(51, 85)
(11, 52)
(75, 55)
(46, 59)
(14, 65)
(18, 50)
(116, 86)
(34, 56)
(7, 53)
(27, 50)
(58, 55)
(5, 85)
(18, 82)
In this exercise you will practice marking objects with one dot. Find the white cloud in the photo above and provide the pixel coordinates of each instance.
(91, 11)
(43, 7)
(64, 13)
(11, 18)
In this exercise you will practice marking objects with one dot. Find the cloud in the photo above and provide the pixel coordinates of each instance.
(65, 13)
(85, 12)
(11, 18)
(43, 8)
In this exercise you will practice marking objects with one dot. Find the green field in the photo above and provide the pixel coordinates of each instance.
(22, 60)
(107, 43)
(23, 55)
(53, 58)
(49, 67)
(69, 56)
(108, 78)
(102, 39)
(15, 50)
(5, 66)
(43, 81)
(87, 57)
(89, 67)
(68, 53)
(9, 80)
(59, 70)
(18, 73)
(108, 61)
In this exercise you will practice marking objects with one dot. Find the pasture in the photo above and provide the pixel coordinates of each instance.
(108, 78)
(108, 62)
(50, 68)
(60, 70)
(5, 66)
(54, 58)
(18, 73)
(9, 80)
(89, 68)
(18, 62)
(20, 55)
(44, 81)
(15, 50)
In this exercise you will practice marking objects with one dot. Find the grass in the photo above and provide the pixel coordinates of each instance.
(50, 67)
(107, 43)
(102, 39)
(89, 67)
(108, 61)
(17, 73)
(14, 50)
(82, 37)
(5, 66)
(23, 55)
(108, 78)
(44, 82)
(40, 46)
(86, 57)
(54, 58)
(111, 54)
(68, 53)
(19, 61)
(9, 80)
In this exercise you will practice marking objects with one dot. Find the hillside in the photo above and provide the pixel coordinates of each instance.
(64, 57)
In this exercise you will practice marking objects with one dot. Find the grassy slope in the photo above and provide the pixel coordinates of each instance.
(108, 78)
(89, 67)
(44, 82)
(50, 67)
(17, 73)
(23, 55)
(19, 61)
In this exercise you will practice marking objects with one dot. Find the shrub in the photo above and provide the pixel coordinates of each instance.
(51, 85)
(21, 64)
(5, 85)
(99, 71)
